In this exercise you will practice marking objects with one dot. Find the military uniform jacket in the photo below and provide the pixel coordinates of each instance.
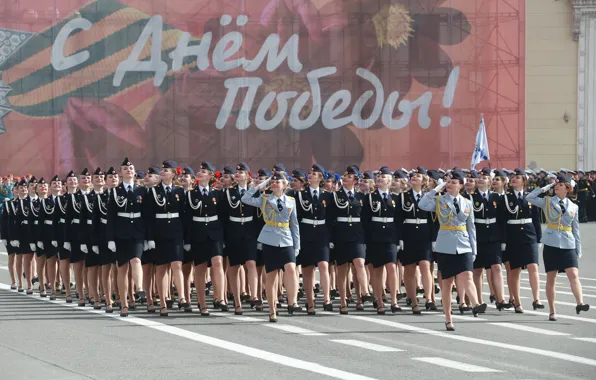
(72, 230)
(20, 227)
(380, 218)
(60, 218)
(86, 228)
(488, 226)
(521, 219)
(203, 216)
(415, 222)
(281, 227)
(458, 232)
(5, 219)
(314, 219)
(126, 213)
(100, 218)
(239, 217)
(165, 214)
(46, 224)
(562, 229)
(347, 227)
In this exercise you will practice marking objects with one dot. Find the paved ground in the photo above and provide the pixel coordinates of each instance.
(57, 341)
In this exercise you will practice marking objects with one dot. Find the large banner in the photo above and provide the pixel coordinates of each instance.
(368, 82)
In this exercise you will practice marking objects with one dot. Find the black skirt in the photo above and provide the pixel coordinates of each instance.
(240, 251)
(92, 259)
(346, 252)
(521, 255)
(76, 255)
(107, 257)
(148, 257)
(559, 259)
(127, 250)
(203, 252)
(168, 251)
(379, 254)
(452, 265)
(415, 254)
(277, 257)
(489, 254)
(63, 253)
(49, 250)
(311, 253)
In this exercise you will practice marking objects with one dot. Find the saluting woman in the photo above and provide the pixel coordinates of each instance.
(456, 241)
(280, 238)
(523, 233)
(562, 243)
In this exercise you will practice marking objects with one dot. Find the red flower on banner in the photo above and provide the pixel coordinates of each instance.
(179, 171)
(217, 174)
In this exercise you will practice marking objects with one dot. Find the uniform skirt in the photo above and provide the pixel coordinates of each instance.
(63, 253)
(92, 259)
(452, 265)
(76, 255)
(379, 254)
(489, 254)
(203, 252)
(167, 251)
(413, 254)
(312, 252)
(559, 259)
(277, 257)
(148, 257)
(240, 251)
(521, 255)
(346, 252)
(107, 257)
(127, 250)
(49, 250)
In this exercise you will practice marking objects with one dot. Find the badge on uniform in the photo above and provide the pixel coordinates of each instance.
(324, 203)
(213, 199)
(477, 203)
(529, 204)
(444, 206)
(139, 198)
(408, 204)
(177, 197)
(495, 204)
(393, 202)
(361, 202)
(511, 204)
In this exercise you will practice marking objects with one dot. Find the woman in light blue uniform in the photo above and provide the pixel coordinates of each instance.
(456, 241)
(280, 238)
(562, 243)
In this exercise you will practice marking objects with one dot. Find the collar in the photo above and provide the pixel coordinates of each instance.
(201, 189)
(274, 198)
(452, 197)
(348, 191)
(33, 197)
(415, 194)
(125, 184)
(166, 186)
(242, 188)
(312, 191)
(381, 192)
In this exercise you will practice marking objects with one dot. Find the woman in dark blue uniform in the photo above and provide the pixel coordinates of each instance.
(523, 233)
(38, 217)
(203, 235)
(186, 179)
(381, 225)
(49, 229)
(5, 236)
(348, 238)
(21, 235)
(315, 230)
(148, 258)
(415, 240)
(165, 208)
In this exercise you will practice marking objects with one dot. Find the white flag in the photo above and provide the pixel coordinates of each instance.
(481, 148)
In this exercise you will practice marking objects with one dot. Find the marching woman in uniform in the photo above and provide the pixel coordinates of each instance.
(315, 231)
(562, 244)
(381, 224)
(126, 231)
(48, 224)
(5, 236)
(71, 183)
(348, 238)
(203, 235)
(186, 178)
(280, 238)
(415, 240)
(20, 235)
(37, 213)
(499, 186)
(165, 206)
(523, 233)
(148, 258)
(257, 299)
(456, 241)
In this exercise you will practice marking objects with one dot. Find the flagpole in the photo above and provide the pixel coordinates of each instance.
(486, 130)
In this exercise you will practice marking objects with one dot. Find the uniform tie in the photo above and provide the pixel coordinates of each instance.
(204, 192)
(385, 198)
(315, 196)
(562, 205)
(242, 192)
(168, 190)
(351, 196)
(279, 205)
(129, 188)
(417, 198)
(456, 205)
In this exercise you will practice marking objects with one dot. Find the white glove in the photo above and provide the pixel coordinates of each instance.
(401, 245)
(151, 244)
(434, 245)
(95, 249)
(15, 243)
(145, 246)
(260, 246)
(540, 245)
(473, 257)
(187, 247)
(579, 254)
(440, 186)
(112, 246)
(55, 243)
(3, 241)
(503, 246)
(548, 187)
(84, 248)
(32, 246)
(331, 245)
(297, 251)
(40, 244)
(67, 246)
(263, 184)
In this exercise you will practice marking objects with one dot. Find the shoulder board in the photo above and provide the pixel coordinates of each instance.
(265, 195)
(290, 197)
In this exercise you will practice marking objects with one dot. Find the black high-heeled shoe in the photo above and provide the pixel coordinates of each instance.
(163, 313)
(273, 318)
(582, 307)
(518, 309)
(236, 311)
(184, 305)
(430, 305)
(311, 309)
(416, 310)
(479, 309)
(537, 305)
(395, 308)
(124, 312)
(381, 310)
(293, 308)
(492, 298)
(448, 328)
(328, 306)
(204, 311)
(502, 305)
(552, 317)
(343, 310)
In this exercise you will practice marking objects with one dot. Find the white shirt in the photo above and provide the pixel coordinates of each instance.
(416, 194)
(348, 192)
(312, 192)
(484, 194)
(382, 193)
(242, 188)
(126, 185)
(165, 187)
(201, 188)
(453, 198)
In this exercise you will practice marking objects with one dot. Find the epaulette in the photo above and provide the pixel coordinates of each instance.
(265, 195)
(290, 197)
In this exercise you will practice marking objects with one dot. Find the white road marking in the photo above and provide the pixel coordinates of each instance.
(560, 292)
(272, 357)
(456, 365)
(529, 329)
(461, 317)
(484, 342)
(557, 302)
(294, 330)
(560, 316)
(2, 253)
(591, 340)
(245, 319)
(366, 345)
